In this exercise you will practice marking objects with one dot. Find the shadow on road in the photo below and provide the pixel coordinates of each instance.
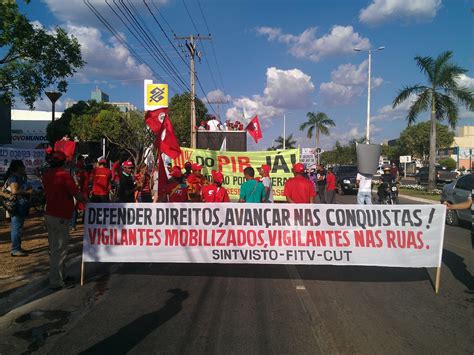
(458, 268)
(307, 272)
(133, 333)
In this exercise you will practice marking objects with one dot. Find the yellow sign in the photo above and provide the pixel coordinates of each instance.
(157, 95)
(232, 165)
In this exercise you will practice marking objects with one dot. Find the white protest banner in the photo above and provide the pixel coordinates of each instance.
(32, 158)
(399, 235)
(308, 157)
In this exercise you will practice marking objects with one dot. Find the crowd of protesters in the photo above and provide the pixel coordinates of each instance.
(214, 124)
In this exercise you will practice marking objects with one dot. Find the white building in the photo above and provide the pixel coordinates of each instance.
(29, 128)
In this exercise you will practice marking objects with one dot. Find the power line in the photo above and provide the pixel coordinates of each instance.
(212, 46)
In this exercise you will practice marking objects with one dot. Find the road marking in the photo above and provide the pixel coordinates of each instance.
(324, 338)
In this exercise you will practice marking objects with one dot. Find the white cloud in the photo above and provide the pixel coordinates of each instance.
(217, 96)
(465, 81)
(381, 11)
(348, 81)
(285, 89)
(289, 89)
(105, 60)
(340, 40)
(387, 113)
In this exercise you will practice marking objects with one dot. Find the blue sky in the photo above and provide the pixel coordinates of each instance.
(274, 57)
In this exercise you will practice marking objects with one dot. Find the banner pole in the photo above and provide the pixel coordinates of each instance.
(438, 279)
(82, 273)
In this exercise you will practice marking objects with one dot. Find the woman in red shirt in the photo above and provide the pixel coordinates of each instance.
(330, 186)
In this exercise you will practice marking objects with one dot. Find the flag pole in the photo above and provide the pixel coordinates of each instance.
(438, 279)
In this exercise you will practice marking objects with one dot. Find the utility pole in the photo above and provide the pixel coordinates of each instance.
(191, 45)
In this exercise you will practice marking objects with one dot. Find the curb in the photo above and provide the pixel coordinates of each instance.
(419, 199)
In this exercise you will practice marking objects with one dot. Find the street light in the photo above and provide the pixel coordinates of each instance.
(53, 96)
(367, 134)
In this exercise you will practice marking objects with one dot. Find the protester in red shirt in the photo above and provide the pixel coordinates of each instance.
(330, 186)
(116, 171)
(101, 182)
(299, 189)
(143, 180)
(176, 190)
(60, 191)
(215, 192)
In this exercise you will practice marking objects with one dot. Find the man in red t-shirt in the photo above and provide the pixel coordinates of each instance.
(215, 192)
(60, 191)
(101, 178)
(176, 190)
(299, 189)
(330, 186)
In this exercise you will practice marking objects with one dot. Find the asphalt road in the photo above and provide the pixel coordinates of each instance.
(256, 309)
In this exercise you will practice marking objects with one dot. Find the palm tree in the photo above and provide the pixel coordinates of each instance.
(320, 123)
(442, 96)
(290, 143)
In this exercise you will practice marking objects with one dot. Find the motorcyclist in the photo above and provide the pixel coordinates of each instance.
(386, 179)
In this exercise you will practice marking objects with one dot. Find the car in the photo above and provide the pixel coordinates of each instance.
(379, 171)
(346, 178)
(443, 175)
(456, 192)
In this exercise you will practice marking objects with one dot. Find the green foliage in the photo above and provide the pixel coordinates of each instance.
(180, 116)
(389, 152)
(415, 140)
(33, 59)
(57, 129)
(318, 123)
(290, 143)
(341, 154)
(449, 163)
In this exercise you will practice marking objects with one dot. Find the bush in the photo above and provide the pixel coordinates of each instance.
(448, 163)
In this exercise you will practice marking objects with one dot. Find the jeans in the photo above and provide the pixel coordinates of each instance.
(364, 198)
(16, 232)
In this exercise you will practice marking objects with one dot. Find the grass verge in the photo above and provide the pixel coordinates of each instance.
(420, 194)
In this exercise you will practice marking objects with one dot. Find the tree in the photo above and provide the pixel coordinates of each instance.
(290, 143)
(442, 97)
(320, 123)
(33, 58)
(57, 129)
(180, 115)
(448, 163)
(389, 152)
(125, 130)
(414, 140)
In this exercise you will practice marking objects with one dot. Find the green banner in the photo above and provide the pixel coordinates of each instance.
(232, 165)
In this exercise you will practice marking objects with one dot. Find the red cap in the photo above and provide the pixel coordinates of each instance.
(193, 179)
(217, 176)
(102, 161)
(127, 164)
(176, 172)
(298, 168)
(266, 168)
(196, 166)
(58, 156)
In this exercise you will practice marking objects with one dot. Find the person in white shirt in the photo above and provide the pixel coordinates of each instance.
(364, 196)
(214, 124)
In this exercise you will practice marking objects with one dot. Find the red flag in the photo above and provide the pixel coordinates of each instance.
(165, 141)
(162, 177)
(67, 147)
(154, 119)
(253, 128)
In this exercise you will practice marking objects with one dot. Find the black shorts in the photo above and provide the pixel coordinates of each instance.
(100, 198)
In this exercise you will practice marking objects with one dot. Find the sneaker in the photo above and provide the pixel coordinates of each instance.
(19, 253)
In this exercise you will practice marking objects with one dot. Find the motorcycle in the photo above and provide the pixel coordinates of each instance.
(390, 194)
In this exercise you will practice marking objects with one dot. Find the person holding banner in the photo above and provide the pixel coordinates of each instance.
(465, 205)
(299, 189)
(176, 190)
(264, 172)
(126, 189)
(252, 190)
(60, 190)
(215, 192)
